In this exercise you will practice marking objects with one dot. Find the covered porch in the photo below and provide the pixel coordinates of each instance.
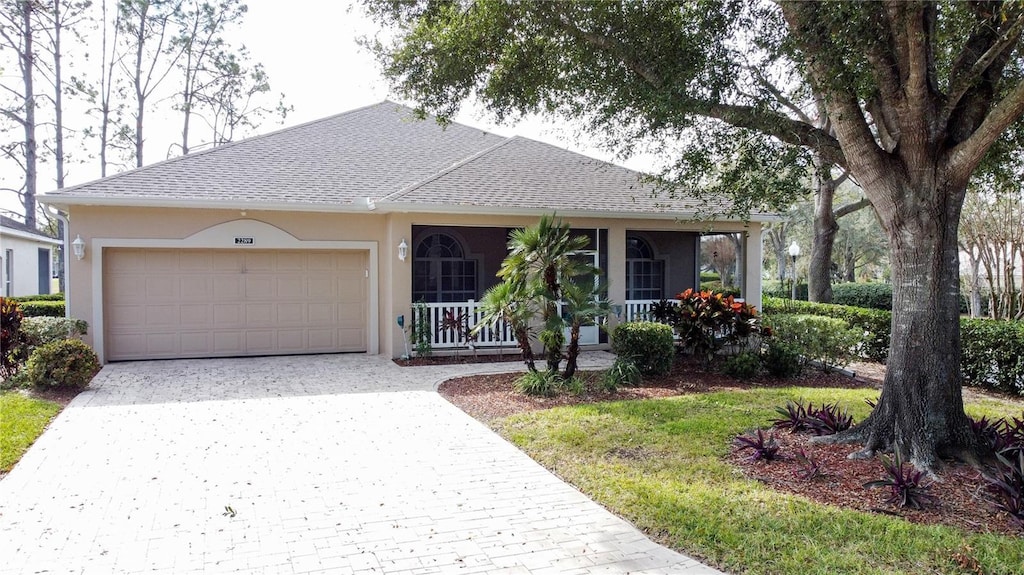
(453, 266)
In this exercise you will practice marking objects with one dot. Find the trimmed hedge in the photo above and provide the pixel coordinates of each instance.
(869, 295)
(827, 340)
(992, 356)
(647, 344)
(772, 288)
(876, 324)
(40, 297)
(42, 308)
(42, 330)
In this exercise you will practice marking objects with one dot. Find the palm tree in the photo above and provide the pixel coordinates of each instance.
(539, 259)
(510, 303)
(584, 303)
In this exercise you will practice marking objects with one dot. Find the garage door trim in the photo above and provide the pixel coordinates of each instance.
(222, 236)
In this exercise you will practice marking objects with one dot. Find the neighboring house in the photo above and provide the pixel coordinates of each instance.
(26, 259)
(289, 242)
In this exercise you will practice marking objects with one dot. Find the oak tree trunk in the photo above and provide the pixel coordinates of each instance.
(819, 273)
(920, 412)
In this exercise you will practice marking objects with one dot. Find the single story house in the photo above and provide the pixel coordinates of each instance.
(26, 258)
(320, 238)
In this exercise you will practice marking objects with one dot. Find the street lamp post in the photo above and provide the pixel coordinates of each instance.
(794, 252)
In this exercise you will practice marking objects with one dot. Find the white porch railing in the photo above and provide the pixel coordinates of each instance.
(639, 309)
(456, 332)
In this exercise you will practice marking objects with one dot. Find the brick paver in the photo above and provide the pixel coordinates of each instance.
(315, 464)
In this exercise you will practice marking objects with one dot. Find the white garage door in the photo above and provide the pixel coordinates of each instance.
(171, 303)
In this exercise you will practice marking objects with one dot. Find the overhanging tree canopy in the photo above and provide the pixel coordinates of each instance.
(916, 93)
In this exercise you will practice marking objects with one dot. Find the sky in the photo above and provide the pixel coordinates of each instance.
(310, 53)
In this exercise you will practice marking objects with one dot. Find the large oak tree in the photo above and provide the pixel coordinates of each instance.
(915, 93)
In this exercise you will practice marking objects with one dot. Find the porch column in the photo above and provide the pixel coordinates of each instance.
(616, 266)
(752, 251)
(396, 286)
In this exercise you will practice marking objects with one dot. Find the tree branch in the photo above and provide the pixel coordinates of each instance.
(851, 207)
(966, 156)
(962, 77)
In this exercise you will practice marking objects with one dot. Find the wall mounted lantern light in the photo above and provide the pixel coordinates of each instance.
(403, 250)
(78, 246)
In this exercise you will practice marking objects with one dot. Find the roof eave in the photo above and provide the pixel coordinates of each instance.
(225, 204)
(29, 236)
(412, 207)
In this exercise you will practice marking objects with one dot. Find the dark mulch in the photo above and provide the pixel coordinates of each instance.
(961, 496)
(489, 397)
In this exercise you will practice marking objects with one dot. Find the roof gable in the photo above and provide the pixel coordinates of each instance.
(340, 160)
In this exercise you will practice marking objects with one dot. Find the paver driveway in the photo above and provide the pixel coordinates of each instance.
(315, 464)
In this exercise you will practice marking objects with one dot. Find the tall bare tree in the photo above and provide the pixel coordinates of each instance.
(147, 29)
(19, 31)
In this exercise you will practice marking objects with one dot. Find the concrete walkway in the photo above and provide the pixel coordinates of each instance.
(314, 464)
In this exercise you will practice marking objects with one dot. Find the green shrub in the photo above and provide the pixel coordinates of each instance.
(622, 372)
(42, 308)
(875, 324)
(993, 354)
(869, 295)
(828, 341)
(543, 383)
(774, 288)
(646, 344)
(42, 330)
(40, 297)
(67, 363)
(716, 287)
(743, 366)
(781, 359)
(710, 277)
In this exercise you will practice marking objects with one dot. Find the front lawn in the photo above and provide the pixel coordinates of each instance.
(661, 464)
(22, 420)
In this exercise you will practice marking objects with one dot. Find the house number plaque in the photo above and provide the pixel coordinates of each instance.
(244, 241)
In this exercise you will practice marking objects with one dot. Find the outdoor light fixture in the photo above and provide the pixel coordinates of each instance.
(78, 246)
(403, 250)
(617, 310)
(794, 252)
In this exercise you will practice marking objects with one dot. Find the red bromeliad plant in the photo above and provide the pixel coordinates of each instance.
(13, 348)
(706, 321)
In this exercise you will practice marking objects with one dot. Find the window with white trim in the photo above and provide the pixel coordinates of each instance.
(645, 274)
(441, 272)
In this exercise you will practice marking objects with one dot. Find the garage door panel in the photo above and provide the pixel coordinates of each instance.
(161, 261)
(196, 342)
(227, 316)
(260, 314)
(227, 288)
(163, 303)
(195, 288)
(195, 315)
(228, 343)
(162, 315)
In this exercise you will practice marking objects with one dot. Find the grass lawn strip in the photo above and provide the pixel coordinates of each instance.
(22, 420)
(659, 463)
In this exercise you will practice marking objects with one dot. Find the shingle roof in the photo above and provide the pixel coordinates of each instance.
(524, 173)
(343, 159)
(384, 153)
(13, 224)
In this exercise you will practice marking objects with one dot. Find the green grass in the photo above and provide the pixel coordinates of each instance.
(685, 495)
(22, 420)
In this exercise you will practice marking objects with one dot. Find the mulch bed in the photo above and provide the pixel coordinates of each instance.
(454, 359)
(962, 501)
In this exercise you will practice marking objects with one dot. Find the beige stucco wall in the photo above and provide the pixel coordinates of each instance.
(100, 225)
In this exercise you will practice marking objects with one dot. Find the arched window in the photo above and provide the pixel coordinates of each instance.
(645, 275)
(441, 272)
